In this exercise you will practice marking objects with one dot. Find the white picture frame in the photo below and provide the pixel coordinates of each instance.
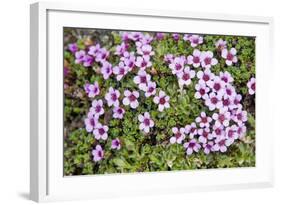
(47, 182)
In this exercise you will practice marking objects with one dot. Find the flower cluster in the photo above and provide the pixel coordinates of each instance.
(225, 121)
(213, 130)
(130, 61)
(217, 131)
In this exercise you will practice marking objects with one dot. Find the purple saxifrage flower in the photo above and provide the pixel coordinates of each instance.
(118, 112)
(112, 97)
(184, 77)
(191, 130)
(131, 98)
(194, 59)
(162, 100)
(142, 79)
(195, 40)
(100, 132)
(192, 146)
(98, 153)
(201, 91)
(115, 144)
(73, 47)
(251, 84)
(206, 76)
(91, 122)
(220, 44)
(179, 135)
(79, 56)
(145, 122)
(97, 108)
(203, 120)
(229, 56)
(177, 65)
(106, 70)
(120, 71)
(92, 90)
(150, 89)
(204, 135)
(207, 59)
(143, 62)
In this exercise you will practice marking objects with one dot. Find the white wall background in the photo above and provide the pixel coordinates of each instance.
(14, 101)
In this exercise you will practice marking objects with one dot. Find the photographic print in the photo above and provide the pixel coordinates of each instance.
(137, 101)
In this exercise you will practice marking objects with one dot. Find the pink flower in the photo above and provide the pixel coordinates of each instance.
(213, 101)
(145, 50)
(112, 97)
(239, 116)
(150, 89)
(98, 153)
(80, 56)
(229, 56)
(87, 61)
(176, 36)
(73, 47)
(194, 59)
(205, 77)
(143, 62)
(135, 36)
(208, 147)
(192, 146)
(145, 122)
(251, 86)
(100, 132)
(131, 98)
(203, 120)
(169, 58)
(115, 144)
(186, 37)
(92, 90)
(222, 118)
(146, 39)
(217, 85)
(97, 108)
(160, 36)
(120, 71)
(191, 130)
(227, 102)
(177, 65)
(195, 40)
(162, 100)
(226, 77)
(142, 79)
(201, 91)
(204, 135)
(220, 144)
(179, 135)
(231, 134)
(185, 77)
(229, 91)
(125, 36)
(118, 112)
(218, 131)
(102, 55)
(207, 60)
(241, 130)
(221, 44)
(121, 49)
(94, 50)
(129, 60)
(91, 122)
(106, 70)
